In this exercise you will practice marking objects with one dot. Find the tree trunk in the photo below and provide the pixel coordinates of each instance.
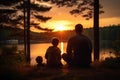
(96, 30)
(28, 31)
(25, 30)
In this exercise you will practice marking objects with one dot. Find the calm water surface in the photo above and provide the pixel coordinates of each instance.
(40, 49)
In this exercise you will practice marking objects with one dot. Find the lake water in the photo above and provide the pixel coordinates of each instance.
(40, 49)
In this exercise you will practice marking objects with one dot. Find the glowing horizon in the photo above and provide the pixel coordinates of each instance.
(63, 20)
(61, 25)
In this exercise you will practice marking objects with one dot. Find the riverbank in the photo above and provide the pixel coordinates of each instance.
(78, 74)
(43, 73)
(14, 69)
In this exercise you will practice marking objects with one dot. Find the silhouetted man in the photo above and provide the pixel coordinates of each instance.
(79, 49)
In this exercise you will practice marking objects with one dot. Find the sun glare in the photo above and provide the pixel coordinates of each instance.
(60, 27)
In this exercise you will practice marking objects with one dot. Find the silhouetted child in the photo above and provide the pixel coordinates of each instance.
(53, 55)
(39, 61)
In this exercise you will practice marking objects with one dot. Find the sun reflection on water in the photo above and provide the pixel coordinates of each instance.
(62, 47)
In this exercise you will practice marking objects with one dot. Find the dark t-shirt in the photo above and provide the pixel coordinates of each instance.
(53, 56)
(79, 48)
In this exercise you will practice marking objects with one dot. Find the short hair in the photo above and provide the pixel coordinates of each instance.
(78, 28)
(55, 41)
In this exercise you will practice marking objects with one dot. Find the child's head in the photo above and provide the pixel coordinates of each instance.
(55, 41)
(39, 59)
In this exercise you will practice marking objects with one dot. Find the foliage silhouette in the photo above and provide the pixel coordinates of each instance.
(12, 14)
(85, 8)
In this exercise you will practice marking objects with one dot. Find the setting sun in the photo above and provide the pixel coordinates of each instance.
(60, 27)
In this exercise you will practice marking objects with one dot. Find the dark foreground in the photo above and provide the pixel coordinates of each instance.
(42, 73)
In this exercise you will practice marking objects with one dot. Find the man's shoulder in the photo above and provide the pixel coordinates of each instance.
(84, 36)
(73, 37)
(52, 47)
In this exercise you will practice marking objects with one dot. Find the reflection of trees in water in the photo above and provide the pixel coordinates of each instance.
(110, 45)
(107, 53)
(110, 39)
(62, 47)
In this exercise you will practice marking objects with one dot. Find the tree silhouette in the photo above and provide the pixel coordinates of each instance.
(85, 8)
(14, 11)
(96, 30)
(12, 14)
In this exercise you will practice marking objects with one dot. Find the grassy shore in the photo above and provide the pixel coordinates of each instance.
(26, 72)
(13, 67)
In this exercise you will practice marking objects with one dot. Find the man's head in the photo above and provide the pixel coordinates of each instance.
(78, 28)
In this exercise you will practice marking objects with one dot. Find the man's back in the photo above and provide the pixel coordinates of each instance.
(81, 49)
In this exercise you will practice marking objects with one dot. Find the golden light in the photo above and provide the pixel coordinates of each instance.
(62, 47)
(60, 27)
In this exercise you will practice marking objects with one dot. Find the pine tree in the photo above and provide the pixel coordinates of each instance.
(12, 14)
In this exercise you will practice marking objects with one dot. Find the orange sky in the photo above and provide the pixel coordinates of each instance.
(62, 18)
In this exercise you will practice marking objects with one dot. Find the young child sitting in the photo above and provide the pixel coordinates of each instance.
(39, 61)
(53, 55)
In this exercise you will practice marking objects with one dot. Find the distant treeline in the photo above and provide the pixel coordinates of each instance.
(109, 35)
